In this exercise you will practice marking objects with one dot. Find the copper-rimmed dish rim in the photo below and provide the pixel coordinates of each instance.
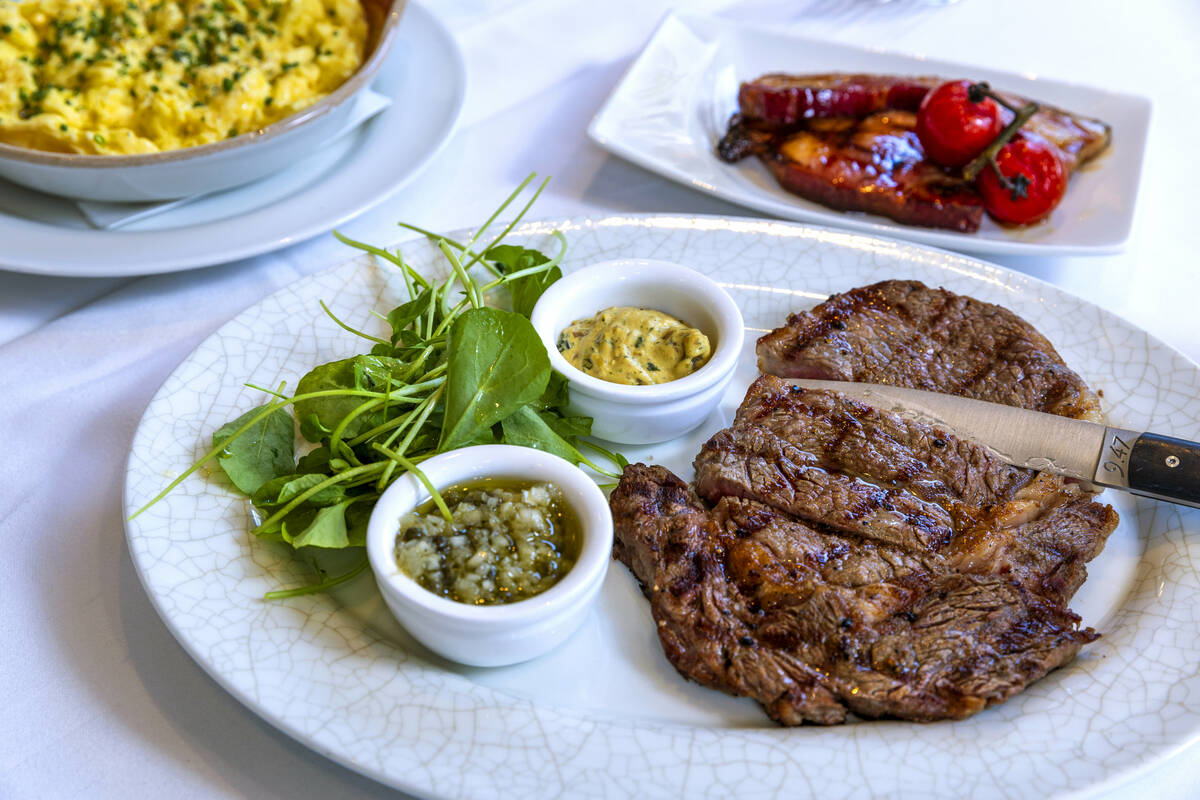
(353, 84)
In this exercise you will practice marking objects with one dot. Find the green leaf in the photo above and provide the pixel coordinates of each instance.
(327, 529)
(357, 517)
(556, 394)
(567, 427)
(406, 341)
(404, 315)
(528, 290)
(525, 291)
(298, 519)
(329, 411)
(280, 490)
(525, 427)
(274, 534)
(510, 258)
(316, 460)
(378, 372)
(496, 364)
(311, 428)
(258, 454)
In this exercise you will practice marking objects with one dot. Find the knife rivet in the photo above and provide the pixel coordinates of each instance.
(1172, 461)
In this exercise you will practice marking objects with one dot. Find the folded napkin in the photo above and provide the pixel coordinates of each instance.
(109, 216)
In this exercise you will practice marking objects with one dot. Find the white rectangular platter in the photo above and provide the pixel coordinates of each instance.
(672, 106)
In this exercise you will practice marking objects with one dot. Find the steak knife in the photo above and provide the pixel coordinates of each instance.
(1147, 464)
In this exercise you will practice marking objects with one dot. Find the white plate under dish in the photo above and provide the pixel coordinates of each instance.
(605, 714)
(47, 235)
(673, 105)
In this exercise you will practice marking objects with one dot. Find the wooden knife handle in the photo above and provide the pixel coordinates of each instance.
(1165, 467)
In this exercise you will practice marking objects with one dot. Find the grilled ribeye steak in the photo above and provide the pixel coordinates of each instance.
(849, 142)
(813, 623)
(907, 334)
(837, 558)
(834, 558)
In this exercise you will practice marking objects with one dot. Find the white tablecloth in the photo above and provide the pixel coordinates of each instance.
(99, 700)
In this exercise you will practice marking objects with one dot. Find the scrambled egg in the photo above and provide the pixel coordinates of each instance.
(108, 77)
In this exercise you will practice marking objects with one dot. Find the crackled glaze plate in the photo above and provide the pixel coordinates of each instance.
(605, 715)
(673, 106)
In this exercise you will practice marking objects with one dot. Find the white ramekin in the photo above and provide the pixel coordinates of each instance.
(490, 636)
(644, 414)
(210, 167)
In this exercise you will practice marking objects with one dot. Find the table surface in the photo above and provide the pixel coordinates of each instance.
(99, 699)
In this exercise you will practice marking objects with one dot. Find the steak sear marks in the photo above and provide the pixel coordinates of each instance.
(907, 334)
(814, 624)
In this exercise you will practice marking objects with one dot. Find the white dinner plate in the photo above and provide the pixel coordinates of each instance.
(425, 76)
(673, 105)
(605, 714)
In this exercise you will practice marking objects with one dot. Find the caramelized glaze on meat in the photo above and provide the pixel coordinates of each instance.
(874, 164)
(849, 142)
(778, 99)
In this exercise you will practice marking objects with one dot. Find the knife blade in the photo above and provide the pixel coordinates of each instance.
(1143, 463)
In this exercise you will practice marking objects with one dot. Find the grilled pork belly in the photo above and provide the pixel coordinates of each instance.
(849, 142)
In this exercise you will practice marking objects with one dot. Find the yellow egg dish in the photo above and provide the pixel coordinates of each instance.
(108, 77)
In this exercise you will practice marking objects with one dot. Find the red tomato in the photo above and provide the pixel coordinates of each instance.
(952, 128)
(1037, 181)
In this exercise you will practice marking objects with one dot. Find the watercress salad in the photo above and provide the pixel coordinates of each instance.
(456, 370)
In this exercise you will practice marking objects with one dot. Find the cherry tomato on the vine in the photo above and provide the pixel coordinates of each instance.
(1036, 182)
(952, 127)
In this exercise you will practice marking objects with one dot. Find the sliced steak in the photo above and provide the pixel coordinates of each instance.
(849, 436)
(834, 461)
(1041, 538)
(754, 463)
(813, 624)
(907, 334)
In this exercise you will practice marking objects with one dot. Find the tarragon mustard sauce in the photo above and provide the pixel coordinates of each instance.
(634, 346)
